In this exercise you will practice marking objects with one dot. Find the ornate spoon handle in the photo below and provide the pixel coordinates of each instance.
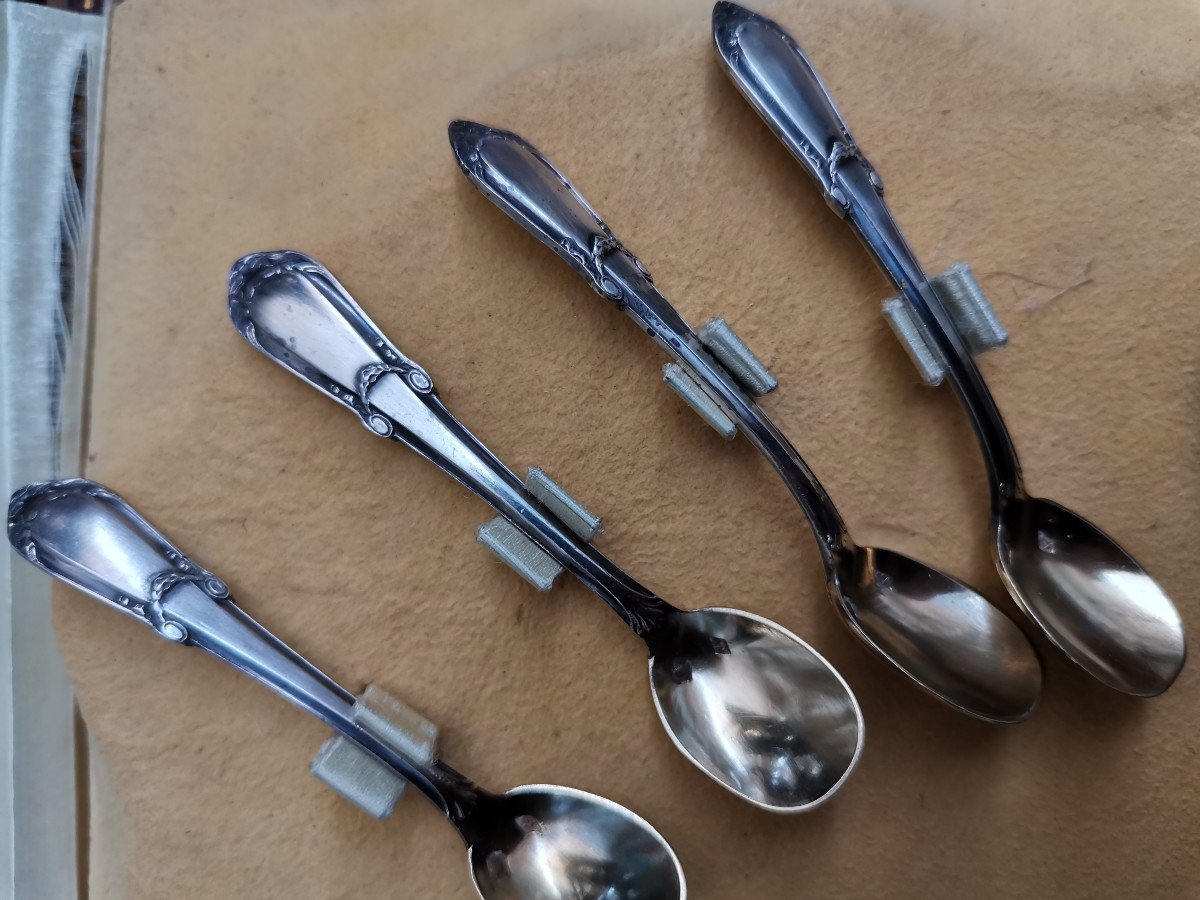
(773, 73)
(85, 535)
(290, 307)
(523, 183)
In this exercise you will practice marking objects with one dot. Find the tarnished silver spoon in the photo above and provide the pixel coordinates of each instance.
(1090, 597)
(536, 842)
(936, 630)
(752, 705)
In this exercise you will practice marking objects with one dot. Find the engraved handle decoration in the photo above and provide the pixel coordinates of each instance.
(85, 535)
(517, 178)
(775, 76)
(331, 342)
(291, 308)
(524, 184)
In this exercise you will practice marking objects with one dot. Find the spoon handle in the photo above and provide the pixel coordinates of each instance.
(291, 308)
(85, 535)
(777, 79)
(523, 183)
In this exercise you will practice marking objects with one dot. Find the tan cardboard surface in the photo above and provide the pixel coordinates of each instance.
(1053, 145)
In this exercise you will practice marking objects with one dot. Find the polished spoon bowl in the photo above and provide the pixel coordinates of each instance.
(1089, 596)
(936, 630)
(535, 842)
(747, 701)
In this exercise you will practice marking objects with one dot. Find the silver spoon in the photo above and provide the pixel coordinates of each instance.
(1090, 597)
(536, 841)
(747, 701)
(933, 628)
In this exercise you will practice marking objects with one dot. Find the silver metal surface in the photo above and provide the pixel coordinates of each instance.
(936, 630)
(561, 843)
(689, 390)
(731, 351)
(724, 706)
(519, 553)
(537, 841)
(973, 316)
(1089, 596)
(291, 308)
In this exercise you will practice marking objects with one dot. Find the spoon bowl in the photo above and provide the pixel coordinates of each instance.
(1091, 598)
(940, 632)
(544, 842)
(755, 708)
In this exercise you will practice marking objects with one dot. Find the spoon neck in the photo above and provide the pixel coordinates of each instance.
(463, 801)
(653, 312)
(872, 221)
(823, 517)
(664, 635)
(999, 455)
(454, 449)
(676, 638)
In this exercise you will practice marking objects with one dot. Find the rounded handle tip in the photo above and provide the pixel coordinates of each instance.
(290, 308)
(726, 15)
(85, 535)
(22, 511)
(466, 136)
(250, 272)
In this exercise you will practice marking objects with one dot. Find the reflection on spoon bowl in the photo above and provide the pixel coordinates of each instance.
(756, 708)
(1090, 596)
(941, 633)
(543, 842)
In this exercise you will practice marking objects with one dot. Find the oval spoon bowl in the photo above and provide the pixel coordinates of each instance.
(945, 636)
(1090, 597)
(546, 842)
(756, 709)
